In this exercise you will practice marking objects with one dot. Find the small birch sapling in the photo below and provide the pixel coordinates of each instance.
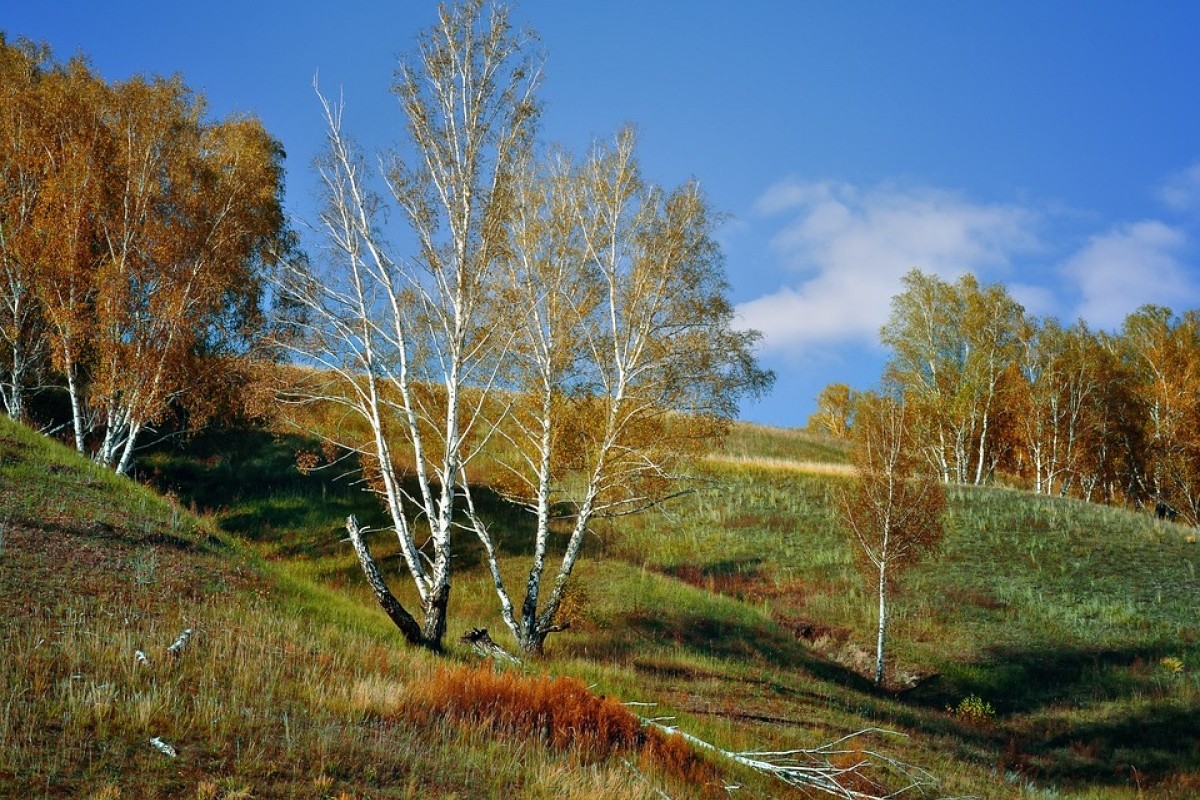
(892, 511)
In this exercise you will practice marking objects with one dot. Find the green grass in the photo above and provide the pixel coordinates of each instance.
(286, 688)
(738, 611)
(762, 441)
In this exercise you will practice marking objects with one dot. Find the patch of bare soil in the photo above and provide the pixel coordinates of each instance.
(837, 645)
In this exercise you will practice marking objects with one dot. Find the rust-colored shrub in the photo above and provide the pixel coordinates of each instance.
(560, 711)
(675, 757)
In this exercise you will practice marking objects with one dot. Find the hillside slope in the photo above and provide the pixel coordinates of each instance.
(1051, 646)
(281, 688)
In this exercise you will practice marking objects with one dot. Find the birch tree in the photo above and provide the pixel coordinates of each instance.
(625, 362)
(1114, 448)
(952, 345)
(1163, 353)
(23, 165)
(991, 325)
(72, 200)
(835, 411)
(926, 364)
(1060, 402)
(560, 330)
(133, 238)
(193, 212)
(1042, 342)
(893, 512)
(410, 345)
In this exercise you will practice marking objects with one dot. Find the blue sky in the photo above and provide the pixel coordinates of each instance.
(1053, 146)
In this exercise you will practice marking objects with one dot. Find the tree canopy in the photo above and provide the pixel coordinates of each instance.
(134, 238)
(1109, 416)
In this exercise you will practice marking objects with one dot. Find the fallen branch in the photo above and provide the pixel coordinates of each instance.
(815, 768)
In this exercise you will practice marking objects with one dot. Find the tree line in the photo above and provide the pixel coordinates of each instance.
(1108, 417)
(135, 234)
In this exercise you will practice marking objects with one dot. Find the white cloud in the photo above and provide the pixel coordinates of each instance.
(1181, 192)
(1127, 267)
(851, 246)
(1038, 301)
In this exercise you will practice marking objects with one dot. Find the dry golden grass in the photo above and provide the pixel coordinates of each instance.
(783, 464)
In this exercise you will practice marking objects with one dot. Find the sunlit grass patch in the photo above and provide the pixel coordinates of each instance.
(787, 464)
(792, 444)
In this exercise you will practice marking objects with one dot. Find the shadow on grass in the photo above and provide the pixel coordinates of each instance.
(1080, 716)
(722, 638)
(1023, 681)
(248, 478)
(748, 644)
(733, 577)
(1157, 740)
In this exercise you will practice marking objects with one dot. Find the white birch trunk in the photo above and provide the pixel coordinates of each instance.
(127, 451)
(881, 637)
(77, 413)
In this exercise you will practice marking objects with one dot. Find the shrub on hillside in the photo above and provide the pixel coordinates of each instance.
(560, 711)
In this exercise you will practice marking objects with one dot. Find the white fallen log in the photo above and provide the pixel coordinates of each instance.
(162, 747)
(180, 643)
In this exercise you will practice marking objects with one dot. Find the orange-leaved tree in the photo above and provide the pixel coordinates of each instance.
(193, 212)
(952, 348)
(71, 203)
(893, 510)
(23, 163)
(134, 234)
(1162, 351)
(835, 411)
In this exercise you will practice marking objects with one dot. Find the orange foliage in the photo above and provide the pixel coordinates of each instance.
(307, 461)
(559, 710)
(137, 235)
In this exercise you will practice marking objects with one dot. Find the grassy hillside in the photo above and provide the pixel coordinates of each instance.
(1049, 650)
(285, 688)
